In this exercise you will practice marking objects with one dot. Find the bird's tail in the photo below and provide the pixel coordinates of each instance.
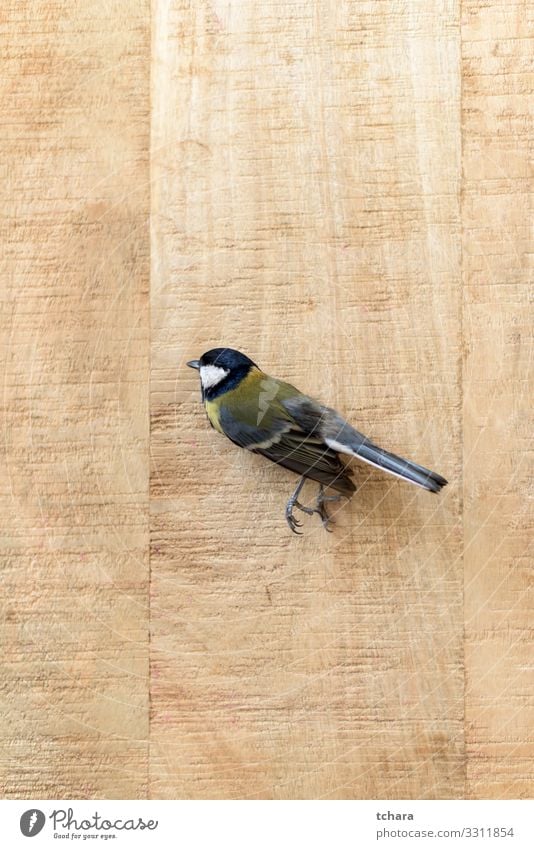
(355, 443)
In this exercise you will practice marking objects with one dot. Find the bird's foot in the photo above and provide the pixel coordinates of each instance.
(290, 518)
(322, 501)
(294, 502)
(320, 508)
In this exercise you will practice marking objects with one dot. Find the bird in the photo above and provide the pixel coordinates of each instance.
(271, 417)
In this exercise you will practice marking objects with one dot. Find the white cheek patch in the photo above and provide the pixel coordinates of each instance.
(212, 375)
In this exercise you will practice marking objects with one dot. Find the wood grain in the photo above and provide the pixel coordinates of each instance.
(306, 210)
(341, 190)
(74, 497)
(497, 217)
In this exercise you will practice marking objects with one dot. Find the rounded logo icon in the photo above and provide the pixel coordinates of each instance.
(31, 822)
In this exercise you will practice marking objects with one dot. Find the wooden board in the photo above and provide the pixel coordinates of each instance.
(306, 210)
(497, 216)
(74, 497)
(341, 190)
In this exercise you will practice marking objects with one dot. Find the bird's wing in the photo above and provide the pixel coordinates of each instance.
(309, 456)
(277, 435)
(340, 436)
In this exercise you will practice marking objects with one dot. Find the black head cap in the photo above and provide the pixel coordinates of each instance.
(227, 358)
(221, 369)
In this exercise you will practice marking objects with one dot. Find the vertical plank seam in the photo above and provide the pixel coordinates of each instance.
(461, 374)
(151, 55)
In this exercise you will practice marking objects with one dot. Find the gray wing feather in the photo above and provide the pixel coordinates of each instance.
(287, 444)
(332, 428)
(310, 457)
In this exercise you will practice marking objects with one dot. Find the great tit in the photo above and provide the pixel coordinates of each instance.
(272, 418)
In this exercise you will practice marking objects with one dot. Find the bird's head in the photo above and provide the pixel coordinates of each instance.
(221, 369)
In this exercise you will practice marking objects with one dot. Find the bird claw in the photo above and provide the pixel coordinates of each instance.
(291, 520)
(308, 510)
(323, 499)
(290, 506)
(320, 509)
(326, 520)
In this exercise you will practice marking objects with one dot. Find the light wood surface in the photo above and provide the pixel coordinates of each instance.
(497, 216)
(340, 190)
(306, 210)
(74, 497)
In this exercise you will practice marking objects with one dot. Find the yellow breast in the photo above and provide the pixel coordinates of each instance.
(212, 409)
(244, 397)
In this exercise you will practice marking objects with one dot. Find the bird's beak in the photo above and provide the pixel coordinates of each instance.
(194, 364)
